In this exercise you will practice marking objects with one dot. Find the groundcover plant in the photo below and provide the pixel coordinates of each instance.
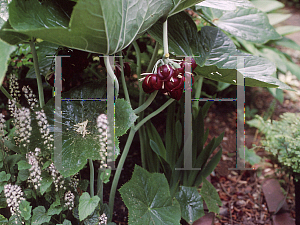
(39, 190)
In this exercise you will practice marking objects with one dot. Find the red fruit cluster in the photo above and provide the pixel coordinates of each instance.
(168, 80)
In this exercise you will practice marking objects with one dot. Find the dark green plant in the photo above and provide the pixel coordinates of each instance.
(95, 27)
(281, 138)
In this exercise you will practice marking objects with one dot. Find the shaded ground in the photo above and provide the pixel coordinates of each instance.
(240, 191)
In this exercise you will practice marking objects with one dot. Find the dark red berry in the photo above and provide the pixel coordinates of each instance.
(193, 62)
(164, 72)
(176, 94)
(151, 83)
(174, 83)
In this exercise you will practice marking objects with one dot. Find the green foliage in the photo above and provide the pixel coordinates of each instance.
(148, 199)
(250, 156)
(282, 139)
(87, 205)
(79, 30)
(217, 52)
(107, 28)
(40, 216)
(191, 203)
(25, 209)
(77, 148)
(6, 50)
(210, 196)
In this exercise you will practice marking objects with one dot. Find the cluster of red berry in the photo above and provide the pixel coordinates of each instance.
(168, 80)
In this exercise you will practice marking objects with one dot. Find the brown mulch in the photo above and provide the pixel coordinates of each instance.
(241, 191)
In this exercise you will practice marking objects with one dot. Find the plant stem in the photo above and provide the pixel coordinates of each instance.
(112, 75)
(154, 114)
(4, 91)
(153, 58)
(138, 60)
(146, 103)
(91, 177)
(142, 131)
(198, 92)
(37, 73)
(165, 39)
(118, 172)
(100, 186)
(141, 100)
(123, 79)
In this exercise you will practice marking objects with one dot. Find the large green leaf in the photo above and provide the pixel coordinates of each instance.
(77, 147)
(285, 30)
(191, 203)
(180, 5)
(87, 205)
(210, 196)
(10, 36)
(148, 199)
(5, 50)
(98, 26)
(216, 52)
(25, 209)
(225, 4)
(286, 42)
(267, 5)
(40, 216)
(125, 117)
(247, 23)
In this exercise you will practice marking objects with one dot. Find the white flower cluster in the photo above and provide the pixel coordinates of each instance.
(14, 92)
(2, 125)
(102, 219)
(40, 117)
(44, 128)
(22, 125)
(22, 120)
(31, 98)
(35, 170)
(74, 181)
(69, 200)
(57, 178)
(102, 128)
(14, 196)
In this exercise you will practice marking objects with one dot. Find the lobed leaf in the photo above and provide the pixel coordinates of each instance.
(148, 199)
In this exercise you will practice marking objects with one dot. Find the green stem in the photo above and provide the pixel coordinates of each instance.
(112, 75)
(4, 91)
(199, 84)
(100, 185)
(142, 131)
(146, 103)
(91, 177)
(153, 58)
(37, 72)
(141, 100)
(138, 60)
(154, 114)
(165, 39)
(123, 79)
(118, 172)
(9, 96)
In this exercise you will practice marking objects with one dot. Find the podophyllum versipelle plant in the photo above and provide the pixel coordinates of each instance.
(39, 191)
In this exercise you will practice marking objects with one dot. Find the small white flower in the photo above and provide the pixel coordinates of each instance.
(69, 199)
